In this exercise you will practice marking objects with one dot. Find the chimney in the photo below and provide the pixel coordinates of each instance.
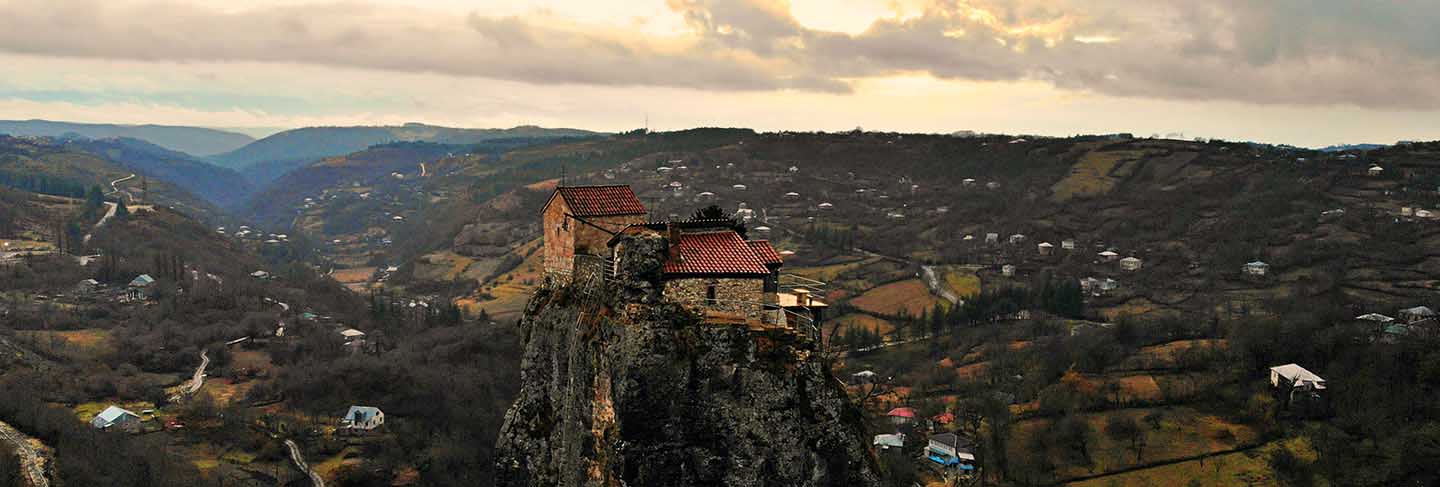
(802, 297)
(672, 240)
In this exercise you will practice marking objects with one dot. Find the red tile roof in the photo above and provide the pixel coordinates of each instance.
(601, 200)
(765, 252)
(722, 252)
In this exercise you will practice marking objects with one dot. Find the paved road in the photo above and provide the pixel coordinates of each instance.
(116, 189)
(422, 170)
(30, 459)
(109, 213)
(299, 460)
(196, 381)
(932, 280)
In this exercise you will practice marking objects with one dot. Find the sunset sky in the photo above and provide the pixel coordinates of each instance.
(1305, 72)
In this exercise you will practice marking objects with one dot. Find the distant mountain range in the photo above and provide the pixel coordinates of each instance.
(277, 154)
(191, 140)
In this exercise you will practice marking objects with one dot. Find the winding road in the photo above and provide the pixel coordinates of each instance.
(196, 381)
(116, 189)
(109, 213)
(422, 170)
(299, 460)
(30, 459)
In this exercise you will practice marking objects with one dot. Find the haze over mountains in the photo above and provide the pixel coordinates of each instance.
(197, 141)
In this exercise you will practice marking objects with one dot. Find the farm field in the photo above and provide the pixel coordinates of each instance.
(864, 321)
(962, 280)
(1092, 175)
(908, 297)
(72, 344)
(1182, 433)
(1240, 468)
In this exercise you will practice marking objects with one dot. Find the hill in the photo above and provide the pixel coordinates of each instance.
(220, 186)
(70, 168)
(191, 140)
(270, 157)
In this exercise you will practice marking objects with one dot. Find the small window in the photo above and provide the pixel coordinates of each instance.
(565, 224)
(710, 294)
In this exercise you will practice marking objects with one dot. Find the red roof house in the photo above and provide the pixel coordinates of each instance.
(579, 220)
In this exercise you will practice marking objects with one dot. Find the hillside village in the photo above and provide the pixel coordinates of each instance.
(1102, 310)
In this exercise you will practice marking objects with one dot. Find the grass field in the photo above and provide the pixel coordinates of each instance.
(87, 410)
(354, 278)
(908, 296)
(861, 320)
(512, 289)
(1183, 433)
(1165, 355)
(73, 344)
(442, 266)
(830, 272)
(962, 281)
(1092, 175)
(1248, 468)
(23, 245)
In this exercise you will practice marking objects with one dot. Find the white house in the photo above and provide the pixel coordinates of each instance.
(1295, 376)
(825, 206)
(1067, 244)
(1007, 270)
(1108, 256)
(1045, 248)
(888, 441)
(1256, 268)
(1130, 264)
(1416, 314)
(1375, 170)
(992, 238)
(1017, 239)
(114, 416)
(363, 418)
(950, 450)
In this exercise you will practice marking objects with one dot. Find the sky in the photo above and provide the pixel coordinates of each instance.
(1303, 72)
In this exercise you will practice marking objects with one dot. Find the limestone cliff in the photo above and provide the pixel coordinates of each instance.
(624, 389)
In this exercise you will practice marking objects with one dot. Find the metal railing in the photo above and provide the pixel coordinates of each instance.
(784, 316)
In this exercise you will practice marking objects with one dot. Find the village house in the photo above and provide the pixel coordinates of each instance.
(1130, 264)
(141, 287)
(578, 220)
(950, 450)
(88, 286)
(1067, 244)
(887, 441)
(352, 339)
(1045, 248)
(902, 416)
(1108, 256)
(1256, 269)
(992, 238)
(363, 418)
(115, 417)
(1375, 170)
(1007, 270)
(1017, 239)
(1295, 384)
(1417, 315)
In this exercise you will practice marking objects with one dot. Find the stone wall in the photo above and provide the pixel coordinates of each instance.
(733, 295)
(567, 237)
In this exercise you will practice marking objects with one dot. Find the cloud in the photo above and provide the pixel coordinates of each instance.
(1299, 52)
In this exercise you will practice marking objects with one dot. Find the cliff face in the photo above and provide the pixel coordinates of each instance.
(621, 388)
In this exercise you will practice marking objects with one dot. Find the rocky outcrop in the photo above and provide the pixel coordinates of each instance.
(623, 388)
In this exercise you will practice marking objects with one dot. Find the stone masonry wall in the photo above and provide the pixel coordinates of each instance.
(740, 296)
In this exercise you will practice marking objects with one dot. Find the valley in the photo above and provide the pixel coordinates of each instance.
(1097, 310)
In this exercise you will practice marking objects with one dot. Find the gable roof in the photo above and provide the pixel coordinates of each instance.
(360, 414)
(765, 252)
(1298, 375)
(113, 414)
(142, 280)
(722, 252)
(608, 200)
